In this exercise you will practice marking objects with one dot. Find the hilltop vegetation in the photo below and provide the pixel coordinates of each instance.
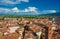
(2, 17)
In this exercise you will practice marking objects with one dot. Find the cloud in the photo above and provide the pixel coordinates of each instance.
(28, 10)
(4, 10)
(32, 10)
(11, 2)
(49, 11)
(15, 9)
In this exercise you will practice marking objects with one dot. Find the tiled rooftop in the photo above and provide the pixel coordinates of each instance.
(13, 28)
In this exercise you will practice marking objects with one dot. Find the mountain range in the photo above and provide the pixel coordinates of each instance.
(50, 14)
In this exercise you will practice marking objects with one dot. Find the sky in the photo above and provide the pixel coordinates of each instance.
(29, 6)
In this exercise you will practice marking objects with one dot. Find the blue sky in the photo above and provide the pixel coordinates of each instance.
(27, 6)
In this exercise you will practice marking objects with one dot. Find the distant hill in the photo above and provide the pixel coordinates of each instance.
(51, 14)
(16, 14)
